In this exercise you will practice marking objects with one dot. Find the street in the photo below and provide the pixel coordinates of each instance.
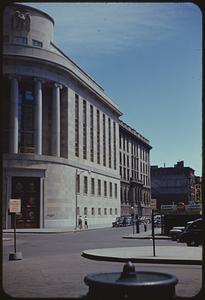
(52, 265)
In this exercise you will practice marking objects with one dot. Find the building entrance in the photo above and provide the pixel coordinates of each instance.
(28, 190)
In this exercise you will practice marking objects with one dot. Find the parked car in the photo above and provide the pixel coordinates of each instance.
(118, 222)
(175, 232)
(192, 234)
(122, 221)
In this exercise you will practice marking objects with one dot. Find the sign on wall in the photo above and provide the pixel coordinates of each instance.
(15, 206)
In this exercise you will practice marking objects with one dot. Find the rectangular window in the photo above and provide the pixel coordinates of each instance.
(78, 183)
(99, 211)
(84, 130)
(85, 184)
(109, 142)
(120, 142)
(115, 211)
(114, 145)
(120, 158)
(92, 186)
(91, 134)
(85, 211)
(105, 211)
(110, 189)
(115, 190)
(110, 211)
(36, 43)
(105, 188)
(76, 125)
(104, 141)
(93, 211)
(127, 145)
(99, 187)
(128, 161)
(98, 137)
(20, 40)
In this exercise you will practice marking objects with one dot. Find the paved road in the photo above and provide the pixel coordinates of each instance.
(52, 265)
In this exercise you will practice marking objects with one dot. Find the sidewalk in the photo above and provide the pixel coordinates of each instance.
(147, 235)
(144, 254)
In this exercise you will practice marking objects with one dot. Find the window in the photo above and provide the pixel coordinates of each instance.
(92, 186)
(20, 40)
(85, 211)
(120, 158)
(105, 211)
(114, 145)
(104, 141)
(78, 183)
(76, 125)
(84, 130)
(120, 142)
(110, 189)
(85, 184)
(99, 187)
(37, 43)
(115, 211)
(121, 172)
(91, 134)
(115, 190)
(26, 117)
(109, 142)
(99, 211)
(98, 137)
(110, 211)
(105, 188)
(93, 211)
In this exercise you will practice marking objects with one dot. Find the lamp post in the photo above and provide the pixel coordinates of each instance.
(76, 194)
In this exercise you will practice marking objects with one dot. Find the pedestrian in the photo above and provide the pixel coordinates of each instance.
(86, 222)
(145, 225)
(80, 222)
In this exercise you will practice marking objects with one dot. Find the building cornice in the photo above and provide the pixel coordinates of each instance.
(51, 58)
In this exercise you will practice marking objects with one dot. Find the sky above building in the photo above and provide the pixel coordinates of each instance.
(148, 58)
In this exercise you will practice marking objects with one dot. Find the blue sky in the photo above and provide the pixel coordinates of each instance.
(147, 57)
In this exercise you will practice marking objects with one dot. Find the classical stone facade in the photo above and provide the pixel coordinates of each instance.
(61, 131)
(134, 162)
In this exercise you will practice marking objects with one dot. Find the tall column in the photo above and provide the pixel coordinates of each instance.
(13, 142)
(56, 120)
(38, 116)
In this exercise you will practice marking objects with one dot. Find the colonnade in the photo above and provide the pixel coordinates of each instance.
(38, 117)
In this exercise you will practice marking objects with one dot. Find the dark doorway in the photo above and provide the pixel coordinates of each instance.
(28, 190)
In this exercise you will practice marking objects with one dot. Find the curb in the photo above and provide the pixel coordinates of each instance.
(154, 260)
(147, 237)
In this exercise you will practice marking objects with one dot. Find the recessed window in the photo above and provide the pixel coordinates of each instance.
(20, 40)
(37, 43)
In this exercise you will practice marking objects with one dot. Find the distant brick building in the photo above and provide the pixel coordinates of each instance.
(171, 185)
(197, 189)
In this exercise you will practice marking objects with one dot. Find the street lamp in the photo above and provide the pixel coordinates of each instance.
(76, 194)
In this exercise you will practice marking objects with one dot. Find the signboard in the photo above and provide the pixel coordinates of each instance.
(15, 206)
(153, 203)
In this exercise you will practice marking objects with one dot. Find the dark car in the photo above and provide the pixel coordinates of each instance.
(175, 232)
(192, 234)
(122, 221)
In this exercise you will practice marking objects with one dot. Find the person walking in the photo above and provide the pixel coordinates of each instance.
(86, 222)
(80, 222)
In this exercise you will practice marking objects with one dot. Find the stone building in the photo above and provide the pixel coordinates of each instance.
(171, 185)
(61, 131)
(134, 172)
